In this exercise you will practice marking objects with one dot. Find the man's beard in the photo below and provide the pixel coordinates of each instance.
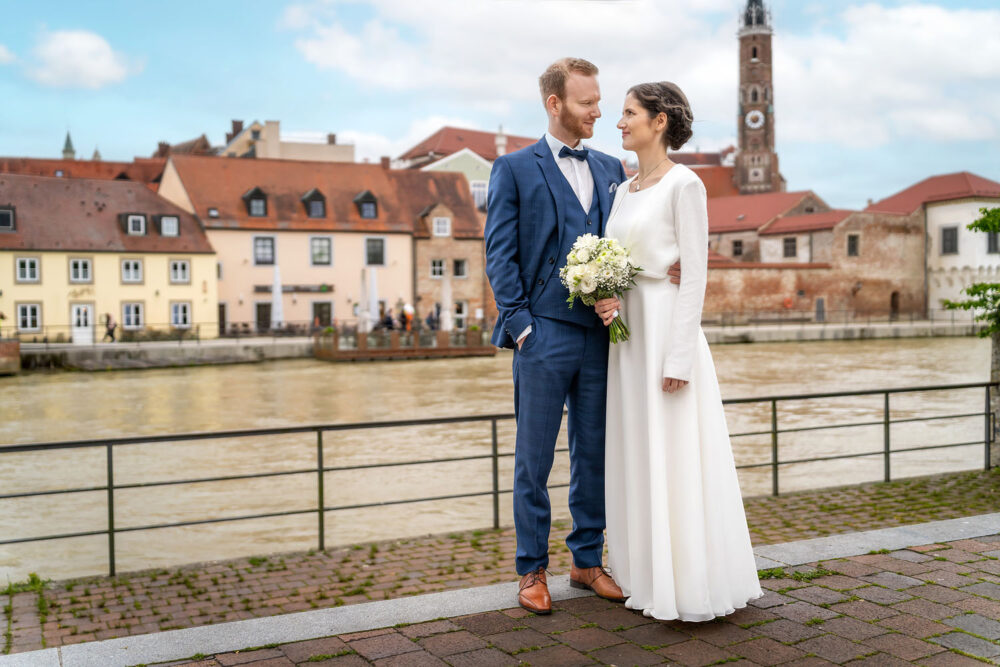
(573, 124)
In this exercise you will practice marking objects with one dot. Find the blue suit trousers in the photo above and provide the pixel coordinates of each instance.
(560, 364)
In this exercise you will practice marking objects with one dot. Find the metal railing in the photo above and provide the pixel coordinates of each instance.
(322, 508)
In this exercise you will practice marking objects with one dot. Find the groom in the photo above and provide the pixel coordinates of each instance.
(540, 200)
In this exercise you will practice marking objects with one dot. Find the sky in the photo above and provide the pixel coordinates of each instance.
(870, 96)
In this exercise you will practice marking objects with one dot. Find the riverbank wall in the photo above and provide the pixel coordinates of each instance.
(121, 356)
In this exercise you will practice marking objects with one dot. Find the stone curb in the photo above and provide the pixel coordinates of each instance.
(224, 637)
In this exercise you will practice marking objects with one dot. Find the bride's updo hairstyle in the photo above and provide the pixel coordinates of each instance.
(666, 97)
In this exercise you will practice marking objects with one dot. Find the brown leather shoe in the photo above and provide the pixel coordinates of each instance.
(598, 580)
(533, 594)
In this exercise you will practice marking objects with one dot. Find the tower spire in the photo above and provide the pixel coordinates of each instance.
(755, 18)
(69, 153)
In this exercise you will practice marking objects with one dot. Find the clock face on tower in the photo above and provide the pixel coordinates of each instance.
(755, 119)
(756, 175)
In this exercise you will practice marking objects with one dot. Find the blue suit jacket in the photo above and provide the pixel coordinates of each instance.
(524, 220)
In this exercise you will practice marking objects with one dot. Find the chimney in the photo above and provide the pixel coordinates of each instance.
(870, 201)
(237, 127)
(385, 162)
(501, 142)
(162, 149)
(331, 139)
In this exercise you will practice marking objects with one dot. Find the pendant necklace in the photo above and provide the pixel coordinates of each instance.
(638, 182)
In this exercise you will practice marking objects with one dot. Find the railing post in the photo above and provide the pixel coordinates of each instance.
(320, 490)
(987, 431)
(885, 437)
(774, 447)
(111, 510)
(496, 478)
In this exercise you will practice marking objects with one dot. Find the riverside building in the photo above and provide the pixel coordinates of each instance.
(338, 239)
(75, 250)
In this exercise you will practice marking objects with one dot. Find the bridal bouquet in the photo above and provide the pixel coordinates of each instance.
(598, 269)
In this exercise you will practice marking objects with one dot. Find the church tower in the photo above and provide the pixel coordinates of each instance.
(756, 163)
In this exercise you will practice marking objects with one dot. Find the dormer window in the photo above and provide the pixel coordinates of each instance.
(135, 225)
(315, 203)
(6, 219)
(213, 213)
(367, 205)
(169, 225)
(442, 226)
(256, 202)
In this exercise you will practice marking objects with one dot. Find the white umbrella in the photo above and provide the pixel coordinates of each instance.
(277, 302)
(372, 297)
(447, 322)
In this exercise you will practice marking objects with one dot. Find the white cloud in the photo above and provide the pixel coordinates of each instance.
(914, 72)
(488, 55)
(866, 75)
(5, 55)
(78, 59)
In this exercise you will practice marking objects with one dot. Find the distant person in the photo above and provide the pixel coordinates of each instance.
(387, 321)
(109, 328)
(431, 321)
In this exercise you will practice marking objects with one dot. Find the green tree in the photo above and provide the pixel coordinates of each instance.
(984, 302)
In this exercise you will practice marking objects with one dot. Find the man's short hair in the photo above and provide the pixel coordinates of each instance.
(553, 80)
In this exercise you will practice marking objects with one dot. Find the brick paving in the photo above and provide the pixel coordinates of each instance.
(775, 630)
(68, 612)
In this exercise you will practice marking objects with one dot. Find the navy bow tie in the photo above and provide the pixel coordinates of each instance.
(566, 151)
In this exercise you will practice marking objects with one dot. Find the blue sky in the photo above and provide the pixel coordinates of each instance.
(870, 97)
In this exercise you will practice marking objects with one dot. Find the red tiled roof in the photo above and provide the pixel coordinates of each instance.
(403, 195)
(718, 181)
(692, 158)
(938, 188)
(143, 170)
(749, 212)
(809, 222)
(450, 140)
(717, 259)
(79, 214)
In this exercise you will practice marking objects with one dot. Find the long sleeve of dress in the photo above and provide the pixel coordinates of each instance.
(691, 227)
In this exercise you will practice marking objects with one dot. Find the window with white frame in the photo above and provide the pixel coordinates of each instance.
(442, 226)
(169, 225)
(321, 250)
(6, 219)
(131, 270)
(461, 314)
(133, 316)
(136, 225)
(27, 270)
(479, 192)
(180, 271)
(180, 314)
(29, 316)
(460, 268)
(437, 268)
(263, 250)
(80, 271)
(375, 252)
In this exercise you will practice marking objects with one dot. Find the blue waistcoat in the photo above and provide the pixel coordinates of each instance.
(548, 296)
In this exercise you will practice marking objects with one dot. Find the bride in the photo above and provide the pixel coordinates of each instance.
(678, 543)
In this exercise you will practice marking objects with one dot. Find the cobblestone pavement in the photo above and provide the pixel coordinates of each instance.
(39, 615)
(937, 604)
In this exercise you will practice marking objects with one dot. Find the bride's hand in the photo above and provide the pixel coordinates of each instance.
(670, 385)
(606, 309)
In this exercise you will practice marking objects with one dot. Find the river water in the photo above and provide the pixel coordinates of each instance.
(41, 407)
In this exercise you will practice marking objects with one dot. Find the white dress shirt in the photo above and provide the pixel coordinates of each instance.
(577, 174)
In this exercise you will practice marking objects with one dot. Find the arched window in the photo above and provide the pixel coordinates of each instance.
(753, 53)
(753, 95)
(767, 94)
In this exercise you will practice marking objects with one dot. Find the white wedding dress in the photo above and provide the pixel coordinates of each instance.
(678, 543)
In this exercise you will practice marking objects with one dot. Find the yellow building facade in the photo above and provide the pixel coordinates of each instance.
(74, 252)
